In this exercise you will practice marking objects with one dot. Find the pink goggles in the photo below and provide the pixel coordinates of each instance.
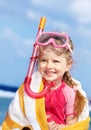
(46, 38)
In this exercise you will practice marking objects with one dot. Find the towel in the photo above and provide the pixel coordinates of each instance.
(28, 112)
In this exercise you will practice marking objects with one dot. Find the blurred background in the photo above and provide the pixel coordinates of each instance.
(19, 21)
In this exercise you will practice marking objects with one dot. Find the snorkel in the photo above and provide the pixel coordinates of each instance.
(28, 77)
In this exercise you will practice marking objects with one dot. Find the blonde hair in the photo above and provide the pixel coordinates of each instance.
(79, 99)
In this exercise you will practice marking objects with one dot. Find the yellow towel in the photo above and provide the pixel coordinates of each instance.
(82, 125)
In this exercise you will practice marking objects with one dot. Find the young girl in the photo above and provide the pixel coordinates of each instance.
(65, 103)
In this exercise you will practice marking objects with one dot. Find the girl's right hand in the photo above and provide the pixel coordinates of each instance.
(52, 126)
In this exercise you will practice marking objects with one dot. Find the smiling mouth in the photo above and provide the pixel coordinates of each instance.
(49, 73)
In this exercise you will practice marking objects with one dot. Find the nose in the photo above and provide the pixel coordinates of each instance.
(49, 65)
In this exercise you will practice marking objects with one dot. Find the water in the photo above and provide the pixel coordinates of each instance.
(4, 103)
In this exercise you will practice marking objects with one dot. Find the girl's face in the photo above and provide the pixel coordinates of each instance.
(52, 67)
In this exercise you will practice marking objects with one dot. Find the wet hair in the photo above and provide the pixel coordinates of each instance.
(67, 78)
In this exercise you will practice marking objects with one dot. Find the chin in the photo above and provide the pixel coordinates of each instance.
(49, 80)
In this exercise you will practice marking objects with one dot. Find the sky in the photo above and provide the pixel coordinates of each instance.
(19, 20)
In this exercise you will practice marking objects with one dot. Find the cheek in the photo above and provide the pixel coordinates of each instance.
(40, 67)
(62, 69)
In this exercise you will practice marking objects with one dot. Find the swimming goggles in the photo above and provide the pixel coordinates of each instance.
(46, 38)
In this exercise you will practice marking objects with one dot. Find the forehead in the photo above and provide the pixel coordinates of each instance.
(48, 54)
(50, 48)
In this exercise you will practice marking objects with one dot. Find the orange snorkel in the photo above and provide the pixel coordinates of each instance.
(28, 78)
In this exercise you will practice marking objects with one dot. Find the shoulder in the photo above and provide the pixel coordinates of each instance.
(69, 93)
(68, 89)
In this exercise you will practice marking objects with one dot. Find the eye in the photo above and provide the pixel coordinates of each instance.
(56, 61)
(43, 60)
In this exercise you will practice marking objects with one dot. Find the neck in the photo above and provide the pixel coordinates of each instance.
(53, 85)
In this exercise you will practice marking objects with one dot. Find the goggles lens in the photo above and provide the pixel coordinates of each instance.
(57, 39)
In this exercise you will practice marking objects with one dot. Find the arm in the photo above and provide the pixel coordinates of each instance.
(69, 121)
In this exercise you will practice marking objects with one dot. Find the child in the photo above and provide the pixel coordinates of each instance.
(64, 105)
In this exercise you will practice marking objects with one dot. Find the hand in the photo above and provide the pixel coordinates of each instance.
(53, 126)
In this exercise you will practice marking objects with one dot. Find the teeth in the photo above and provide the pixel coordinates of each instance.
(49, 72)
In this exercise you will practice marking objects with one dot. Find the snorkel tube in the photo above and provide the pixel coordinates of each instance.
(28, 77)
